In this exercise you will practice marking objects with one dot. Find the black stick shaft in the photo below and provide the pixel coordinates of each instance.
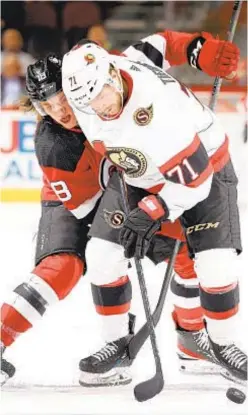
(230, 35)
(143, 289)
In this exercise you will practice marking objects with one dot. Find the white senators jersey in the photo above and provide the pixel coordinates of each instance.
(167, 49)
(156, 138)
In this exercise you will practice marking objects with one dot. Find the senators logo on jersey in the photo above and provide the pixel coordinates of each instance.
(143, 116)
(114, 219)
(132, 161)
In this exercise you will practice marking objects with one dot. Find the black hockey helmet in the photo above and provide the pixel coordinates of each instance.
(44, 78)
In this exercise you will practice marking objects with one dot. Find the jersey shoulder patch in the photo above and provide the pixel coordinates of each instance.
(57, 147)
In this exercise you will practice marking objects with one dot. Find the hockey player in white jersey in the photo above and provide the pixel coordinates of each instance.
(171, 145)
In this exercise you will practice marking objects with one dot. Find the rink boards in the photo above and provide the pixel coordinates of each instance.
(20, 172)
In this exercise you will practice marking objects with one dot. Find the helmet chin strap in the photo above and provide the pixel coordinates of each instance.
(39, 108)
(118, 85)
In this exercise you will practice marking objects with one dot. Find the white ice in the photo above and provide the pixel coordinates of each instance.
(49, 353)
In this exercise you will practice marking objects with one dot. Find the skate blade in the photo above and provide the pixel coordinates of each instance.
(3, 379)
(114, 377)
(227, 375)
(176, 388)
(197, 367)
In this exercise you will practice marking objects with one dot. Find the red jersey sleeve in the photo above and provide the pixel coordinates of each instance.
(163, 49)
(71, 167)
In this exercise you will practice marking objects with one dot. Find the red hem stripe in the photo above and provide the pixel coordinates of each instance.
(202, 177)
(220, 158)
(111, 310)
(214, 315)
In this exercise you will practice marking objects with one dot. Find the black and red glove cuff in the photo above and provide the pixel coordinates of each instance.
(155, 207)
(194, 50)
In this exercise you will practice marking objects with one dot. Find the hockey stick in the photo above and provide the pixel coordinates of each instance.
(230, 35)
(151, 387)
(141, 336)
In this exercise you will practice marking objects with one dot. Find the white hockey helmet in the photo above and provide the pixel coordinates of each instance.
(85, 70)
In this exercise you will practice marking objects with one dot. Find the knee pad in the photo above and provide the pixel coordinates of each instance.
(105, 261)
(56, 275)
(216, 267)
(51, 280)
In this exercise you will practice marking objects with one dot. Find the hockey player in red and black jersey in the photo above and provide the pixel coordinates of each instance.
(71, 176)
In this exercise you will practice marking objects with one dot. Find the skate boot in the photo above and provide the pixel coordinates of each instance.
(195, 354)
(110, 365)
(233, 361)
(7, 369)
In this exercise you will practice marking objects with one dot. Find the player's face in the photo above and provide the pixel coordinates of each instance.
(108, 103)
(57, 107)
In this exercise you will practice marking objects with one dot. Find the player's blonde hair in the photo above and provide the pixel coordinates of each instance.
(26, 105)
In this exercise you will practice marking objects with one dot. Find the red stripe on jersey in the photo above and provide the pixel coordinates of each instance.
(190, 167)
(156, 189)
(203, 176)
(220, 158)
(177, 159)
(112, 310)
(224, 315)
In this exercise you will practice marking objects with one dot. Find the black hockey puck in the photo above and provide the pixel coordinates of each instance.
(235, 395)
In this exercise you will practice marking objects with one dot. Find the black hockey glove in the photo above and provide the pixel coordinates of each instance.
(141, 224)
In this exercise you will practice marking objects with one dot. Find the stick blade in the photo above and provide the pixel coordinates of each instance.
(150, 388)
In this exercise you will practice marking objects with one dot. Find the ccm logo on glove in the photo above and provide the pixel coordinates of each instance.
(213, 56)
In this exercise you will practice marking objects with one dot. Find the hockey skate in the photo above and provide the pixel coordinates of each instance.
(195, 353)
(233, 362)
(7, 369)
(110, 365)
